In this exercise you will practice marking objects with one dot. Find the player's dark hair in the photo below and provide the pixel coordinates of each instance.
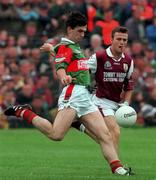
(75, 19)
(119, 29)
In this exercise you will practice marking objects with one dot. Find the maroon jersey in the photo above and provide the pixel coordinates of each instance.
(112, 76)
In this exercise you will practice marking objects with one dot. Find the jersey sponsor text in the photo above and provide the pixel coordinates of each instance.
(113, 76)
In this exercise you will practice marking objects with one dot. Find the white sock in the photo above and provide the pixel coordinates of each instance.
(82, 128)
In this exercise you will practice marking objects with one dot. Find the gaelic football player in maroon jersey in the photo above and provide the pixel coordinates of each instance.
(113, 70)
(75, 99)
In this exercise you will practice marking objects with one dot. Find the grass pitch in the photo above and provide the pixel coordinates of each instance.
(28, 155)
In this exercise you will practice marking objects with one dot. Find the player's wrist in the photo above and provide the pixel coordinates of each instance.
(66, 79)
(52, 48)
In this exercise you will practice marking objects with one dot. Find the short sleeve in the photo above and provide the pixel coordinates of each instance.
(63, 57)
(92, 63)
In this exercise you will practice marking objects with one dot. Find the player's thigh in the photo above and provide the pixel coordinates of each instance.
(112, 124)
(95, 123)
(63, 120)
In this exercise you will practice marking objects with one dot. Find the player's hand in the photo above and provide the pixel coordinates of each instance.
(47, 47)
(125, 103)
(67, 80)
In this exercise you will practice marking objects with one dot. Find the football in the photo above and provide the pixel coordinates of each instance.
(126, 116)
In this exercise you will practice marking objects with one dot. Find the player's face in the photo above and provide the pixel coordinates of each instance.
(77, 34)
(119, 42)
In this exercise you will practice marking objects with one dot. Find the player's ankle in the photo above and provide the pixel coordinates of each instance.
(115, 165)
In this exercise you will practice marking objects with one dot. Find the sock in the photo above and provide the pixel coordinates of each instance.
(26, 114)
(79, 126)
(115, 164)
(82, 128)
(18, 112)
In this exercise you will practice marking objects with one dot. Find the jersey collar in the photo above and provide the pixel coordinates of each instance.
(66, 40)
(109, 53)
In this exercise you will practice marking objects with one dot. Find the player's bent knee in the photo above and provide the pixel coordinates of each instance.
(56, 137)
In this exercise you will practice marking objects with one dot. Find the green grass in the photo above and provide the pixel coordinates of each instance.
(28, 155)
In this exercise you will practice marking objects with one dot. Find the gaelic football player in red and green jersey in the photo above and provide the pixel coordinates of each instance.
(75, 99)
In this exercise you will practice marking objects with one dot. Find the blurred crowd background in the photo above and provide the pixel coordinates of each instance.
(28, 76)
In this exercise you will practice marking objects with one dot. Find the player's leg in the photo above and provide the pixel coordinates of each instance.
(94, 122)
(114, 130)
(110, 123)
(90, 134)
(80, 127)
(60, 126)
(107, 109)
(55, 131)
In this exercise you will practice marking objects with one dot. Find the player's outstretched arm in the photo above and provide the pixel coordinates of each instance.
(47, 47)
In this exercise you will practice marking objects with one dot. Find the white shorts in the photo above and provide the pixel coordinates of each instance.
(80, 100)
(107, 106)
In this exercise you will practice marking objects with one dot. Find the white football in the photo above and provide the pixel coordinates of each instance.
(126, 116)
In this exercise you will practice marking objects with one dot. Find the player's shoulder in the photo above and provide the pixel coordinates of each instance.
(128, 57)
(61, 47)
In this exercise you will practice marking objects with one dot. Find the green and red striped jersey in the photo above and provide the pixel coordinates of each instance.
(70, 57)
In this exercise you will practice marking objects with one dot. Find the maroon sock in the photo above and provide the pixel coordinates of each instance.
(115, 164)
